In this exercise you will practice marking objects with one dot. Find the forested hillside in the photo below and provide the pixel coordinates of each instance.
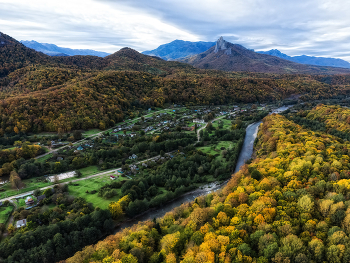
(291, 204)
(334, 117)
(42, 93)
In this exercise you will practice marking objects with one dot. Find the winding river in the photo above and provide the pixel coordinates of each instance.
(245, 154)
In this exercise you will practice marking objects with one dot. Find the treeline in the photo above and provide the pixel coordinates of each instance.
(24, 151)
(16, 158)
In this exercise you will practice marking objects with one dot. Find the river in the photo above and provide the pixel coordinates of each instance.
(245, 154)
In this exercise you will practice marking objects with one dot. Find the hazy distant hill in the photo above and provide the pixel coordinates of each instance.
(232, 57)
(53, 50)
(179, 49)
(318, 61)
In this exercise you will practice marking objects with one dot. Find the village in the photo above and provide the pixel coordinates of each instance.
(132, 150)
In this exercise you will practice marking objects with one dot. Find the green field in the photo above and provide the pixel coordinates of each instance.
(32, 184)
(80, 190)
(216, 149)
(11, 148)
(5, 213)
(45, 158)
(44, 134)
(227, 123)
(91, 132)
(89, 170)
(190, 124)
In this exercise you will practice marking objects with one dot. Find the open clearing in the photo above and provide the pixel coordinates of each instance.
(79, 189)
(216, 149)
(5, 212)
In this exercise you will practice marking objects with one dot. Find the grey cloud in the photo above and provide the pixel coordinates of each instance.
(311, 27)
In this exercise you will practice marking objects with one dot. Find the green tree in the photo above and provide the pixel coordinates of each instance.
(15, 180)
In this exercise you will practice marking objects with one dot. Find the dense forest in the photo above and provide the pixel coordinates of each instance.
(332, 119)
(290, 204)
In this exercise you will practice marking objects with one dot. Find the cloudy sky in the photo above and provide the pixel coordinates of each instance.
(295, 27)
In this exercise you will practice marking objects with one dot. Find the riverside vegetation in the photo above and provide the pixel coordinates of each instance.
(290, 204)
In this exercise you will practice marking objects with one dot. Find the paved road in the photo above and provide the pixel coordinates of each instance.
(76, 180)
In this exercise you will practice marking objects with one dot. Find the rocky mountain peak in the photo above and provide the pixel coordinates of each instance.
(221, 44)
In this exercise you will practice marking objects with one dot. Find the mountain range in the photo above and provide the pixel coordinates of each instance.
(53, 50)
(318, 61)
(233, 57)
(179, 49)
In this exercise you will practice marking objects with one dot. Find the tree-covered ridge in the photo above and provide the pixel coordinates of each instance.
(291, 204)
(42, 93)
(51, 98)
(335, 117)
(14, 55)
(34, 78)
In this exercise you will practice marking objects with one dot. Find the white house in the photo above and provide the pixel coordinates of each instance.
(20, 223)
(198, 121)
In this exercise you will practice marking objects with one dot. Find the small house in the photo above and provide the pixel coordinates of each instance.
(112, 177)
(134, 156)
(80, 148)
(20, 223)
(198, 121)
(29, 201)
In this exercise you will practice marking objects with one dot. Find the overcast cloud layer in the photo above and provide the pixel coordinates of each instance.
(295, 27)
